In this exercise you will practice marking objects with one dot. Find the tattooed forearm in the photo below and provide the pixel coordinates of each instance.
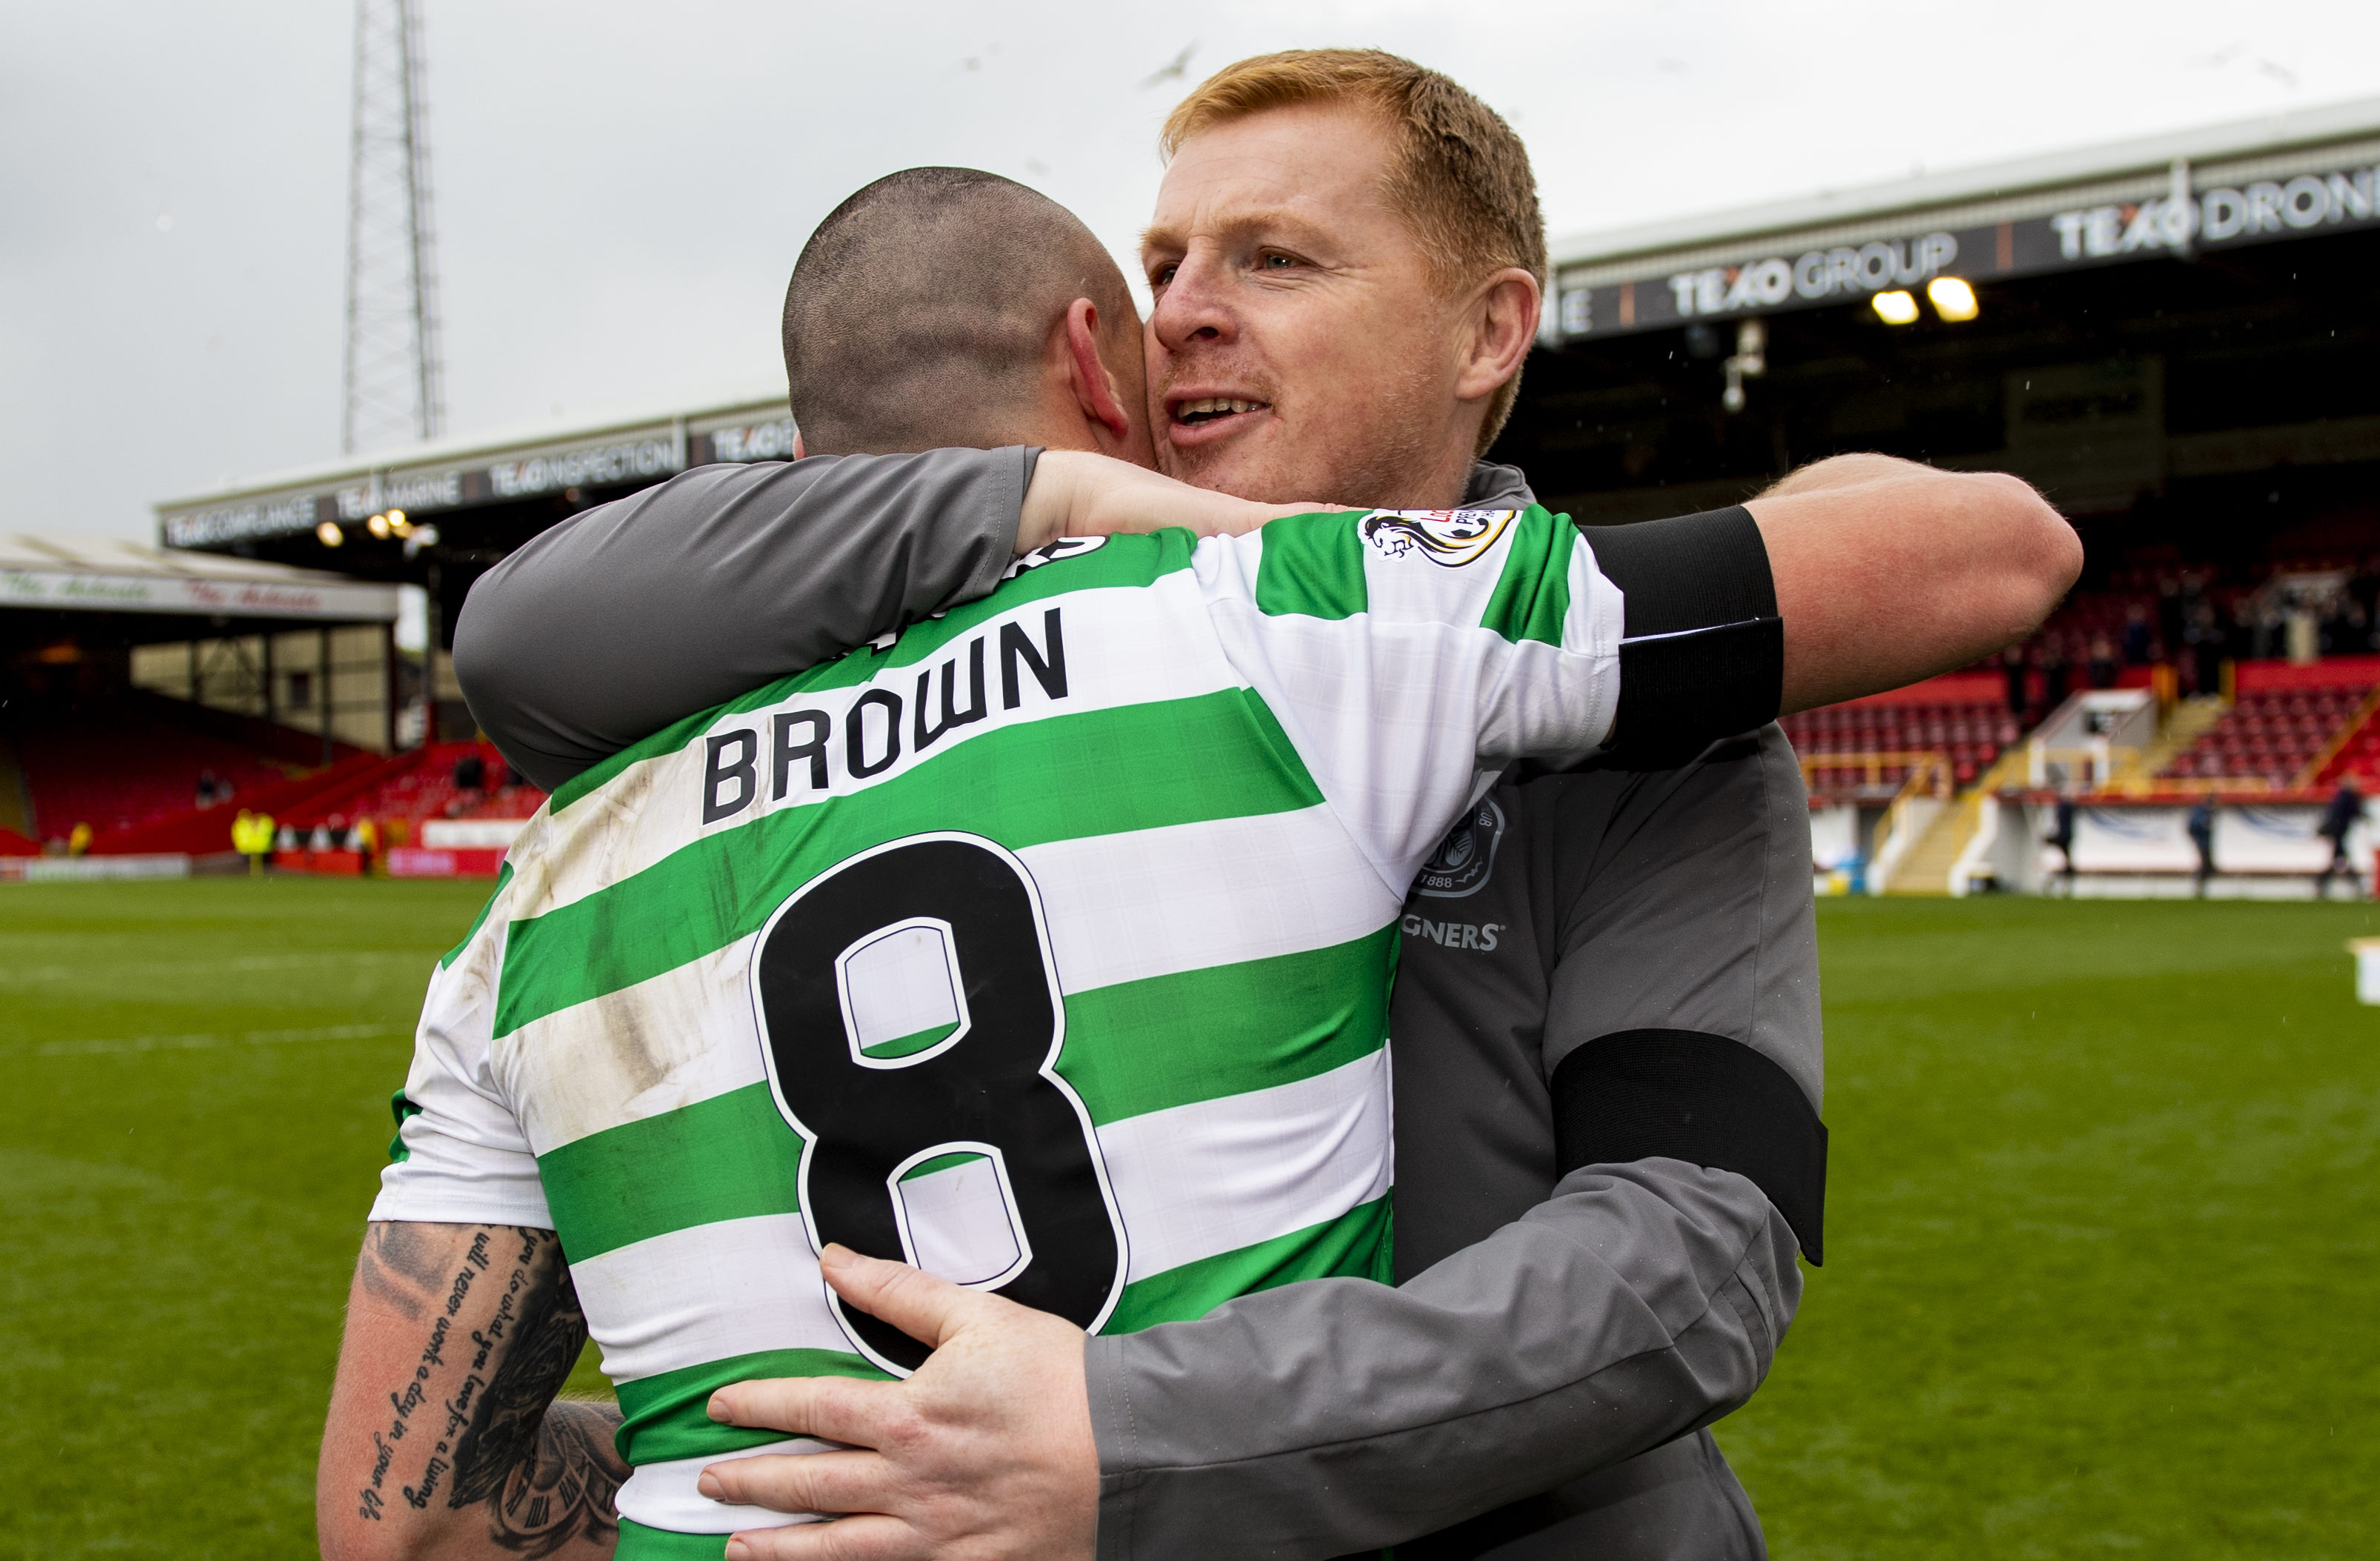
(547, 1472)
(479, 1327)
(393, 1269)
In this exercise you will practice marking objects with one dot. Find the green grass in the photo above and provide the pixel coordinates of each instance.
(2102, 1238)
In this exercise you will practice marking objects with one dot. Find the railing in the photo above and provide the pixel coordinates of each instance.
(1929, 780)
(1931, 762)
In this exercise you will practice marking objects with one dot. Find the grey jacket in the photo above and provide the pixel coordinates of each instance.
(1538, 1382)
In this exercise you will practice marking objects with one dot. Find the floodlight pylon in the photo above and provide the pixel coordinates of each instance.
(393, 378)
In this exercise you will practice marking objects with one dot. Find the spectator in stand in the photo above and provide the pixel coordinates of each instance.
(2338, 820)
(2193, 596)
(2052, 657)
(2345, 633)
(470, 777)
(2266, 635)
(2103, 662)
(2136, 635)
(2240, 642)
(2169, 618)
(2202, 834)
(2203, 636)
(2364, 589)
(211, 790)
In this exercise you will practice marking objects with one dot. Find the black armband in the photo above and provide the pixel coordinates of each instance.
(1704, 1098)
(1703, 652)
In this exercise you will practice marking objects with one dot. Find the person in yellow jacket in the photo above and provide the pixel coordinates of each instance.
(252, 836)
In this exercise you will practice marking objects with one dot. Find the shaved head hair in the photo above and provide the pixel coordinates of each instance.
(920, 310)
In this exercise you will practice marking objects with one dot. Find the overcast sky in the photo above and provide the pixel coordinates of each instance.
(622, 188)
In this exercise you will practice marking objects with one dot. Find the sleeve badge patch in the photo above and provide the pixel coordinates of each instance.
(1450, 538)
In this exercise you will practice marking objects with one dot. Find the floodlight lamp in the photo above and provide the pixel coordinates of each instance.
(329, 535)
(1896, 308)
(1952, 299)
(378, 526)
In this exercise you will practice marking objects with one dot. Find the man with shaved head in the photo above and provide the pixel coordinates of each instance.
(921, 299)
(1605, 1028)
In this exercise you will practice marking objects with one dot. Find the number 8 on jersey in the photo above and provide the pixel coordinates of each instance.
(910, 1020)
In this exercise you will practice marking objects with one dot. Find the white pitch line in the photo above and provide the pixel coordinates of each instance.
(200, 1042)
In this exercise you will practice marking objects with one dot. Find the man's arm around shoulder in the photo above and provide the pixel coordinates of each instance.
(445, 1439)
(1888, 571)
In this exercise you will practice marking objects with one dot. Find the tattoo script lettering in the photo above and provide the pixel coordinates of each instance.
(545, 1473)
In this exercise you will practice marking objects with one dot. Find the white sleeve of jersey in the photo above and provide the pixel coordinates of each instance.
(1409, 656)
(464, 1158)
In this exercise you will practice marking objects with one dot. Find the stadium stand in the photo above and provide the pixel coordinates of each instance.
(1869, 747)
(2355, 751)
(2275, 737)
(129, 771)
(419, 785)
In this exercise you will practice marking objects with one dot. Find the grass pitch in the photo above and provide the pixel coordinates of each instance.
(2101, 1237)
(2101, 1234)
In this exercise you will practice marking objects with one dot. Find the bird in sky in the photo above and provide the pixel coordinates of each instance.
(1176, 70)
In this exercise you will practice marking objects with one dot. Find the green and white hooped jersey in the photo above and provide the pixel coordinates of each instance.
(1046, 944)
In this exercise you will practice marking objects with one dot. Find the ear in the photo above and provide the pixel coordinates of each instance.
(799, 452)
(1095, 389)
(1502, 322)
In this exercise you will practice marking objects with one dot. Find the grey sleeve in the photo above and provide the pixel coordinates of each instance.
(1698, 914)
(1638, 1303)
(608, 626)
(1641, 1300)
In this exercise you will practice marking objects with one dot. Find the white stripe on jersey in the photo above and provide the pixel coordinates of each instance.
(1392, 737)
(1190, 897)
(661, 1495)
(1196, 1181)
(1190, 1182)
(706, 1293)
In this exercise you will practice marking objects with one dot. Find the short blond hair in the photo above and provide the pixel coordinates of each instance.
(1460, 176)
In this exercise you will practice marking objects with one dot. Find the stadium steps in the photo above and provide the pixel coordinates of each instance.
(1925, 872)
(2190, 720)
